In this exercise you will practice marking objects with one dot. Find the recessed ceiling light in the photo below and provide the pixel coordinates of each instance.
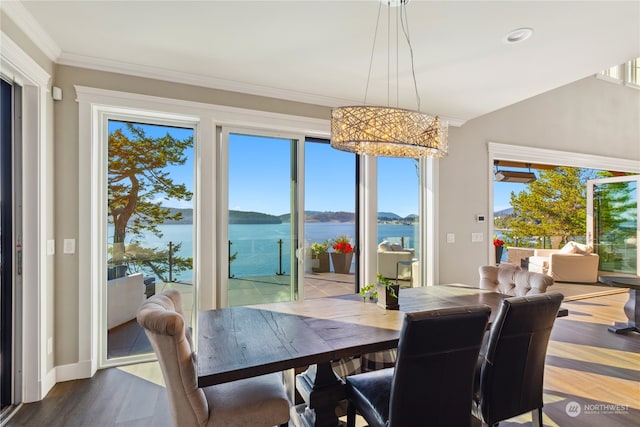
(518, 35)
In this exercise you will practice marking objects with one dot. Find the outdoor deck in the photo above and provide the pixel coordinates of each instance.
(129, 339)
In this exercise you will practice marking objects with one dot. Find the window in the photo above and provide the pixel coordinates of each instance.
(633, 72)
(150, 228)
(613, 73)
(398, 219)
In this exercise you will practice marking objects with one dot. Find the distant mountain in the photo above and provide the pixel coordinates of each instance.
(187, 216)
(244, 217)
(315, 216)
(503, 212)
(388, 216)
(235, 217)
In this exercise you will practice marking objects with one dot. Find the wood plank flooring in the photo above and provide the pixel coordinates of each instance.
(588, 368)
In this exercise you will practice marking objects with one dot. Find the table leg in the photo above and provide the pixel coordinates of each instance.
(632, 310)
(321, 389)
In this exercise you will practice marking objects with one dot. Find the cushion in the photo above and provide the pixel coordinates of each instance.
(396, 247)
(569, 248)
(576, 248)
(384, 246)
(583, 249)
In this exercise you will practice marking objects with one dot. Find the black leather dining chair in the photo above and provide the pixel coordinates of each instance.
(432, 381)
(510, 373)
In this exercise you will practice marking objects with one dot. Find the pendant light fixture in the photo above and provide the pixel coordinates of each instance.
(386, 130)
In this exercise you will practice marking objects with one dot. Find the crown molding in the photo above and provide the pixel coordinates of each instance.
(24, 20)
(17, 65)
(101, 64)
(27, 23)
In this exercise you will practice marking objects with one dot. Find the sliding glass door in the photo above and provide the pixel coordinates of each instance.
(398, 220)
(259, 264)
(150, 227)
(10, 243)
(330, 215)
(612, 222)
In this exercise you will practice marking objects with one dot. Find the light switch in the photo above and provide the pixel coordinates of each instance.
(51, 247)
(451, 238)
(477, 237)
(69, 246)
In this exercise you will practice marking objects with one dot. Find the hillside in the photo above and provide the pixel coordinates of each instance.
(243, 217)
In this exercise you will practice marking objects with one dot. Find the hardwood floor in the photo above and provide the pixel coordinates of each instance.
(589, 370)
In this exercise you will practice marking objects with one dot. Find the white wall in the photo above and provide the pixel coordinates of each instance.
(590, 116)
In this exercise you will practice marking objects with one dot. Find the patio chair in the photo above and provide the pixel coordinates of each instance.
(258, 401)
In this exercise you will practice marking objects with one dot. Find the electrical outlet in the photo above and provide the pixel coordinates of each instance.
(451, 238)
(477, 237)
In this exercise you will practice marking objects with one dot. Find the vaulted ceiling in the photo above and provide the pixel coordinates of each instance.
(319, 51)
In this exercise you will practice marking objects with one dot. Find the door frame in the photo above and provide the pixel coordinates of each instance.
(590, 205)
(35, 341)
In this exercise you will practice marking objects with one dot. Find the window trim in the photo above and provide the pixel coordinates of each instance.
(104, 114)
(91, 156)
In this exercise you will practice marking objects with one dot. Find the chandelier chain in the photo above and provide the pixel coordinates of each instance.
(405, 28)
(373, 49)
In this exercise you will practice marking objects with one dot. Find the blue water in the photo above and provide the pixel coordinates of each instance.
(257, 245)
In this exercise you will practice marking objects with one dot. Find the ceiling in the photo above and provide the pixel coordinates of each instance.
(319, 51)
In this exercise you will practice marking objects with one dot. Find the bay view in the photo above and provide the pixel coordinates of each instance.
(257, 246)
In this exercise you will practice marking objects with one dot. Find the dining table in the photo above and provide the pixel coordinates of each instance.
(240, 342)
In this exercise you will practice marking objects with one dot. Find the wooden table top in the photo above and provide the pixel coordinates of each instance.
(632, 282)
(240, 342)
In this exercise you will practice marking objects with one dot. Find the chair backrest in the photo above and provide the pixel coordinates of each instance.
(163, 322)
(512, 280)
(512, 372)
(433, 378)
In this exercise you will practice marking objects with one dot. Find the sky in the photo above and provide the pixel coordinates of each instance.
(260, 171)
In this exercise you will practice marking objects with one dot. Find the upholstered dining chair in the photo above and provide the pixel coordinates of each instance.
(511, 280)
(432, 381)
(259, 401)
(510, 370)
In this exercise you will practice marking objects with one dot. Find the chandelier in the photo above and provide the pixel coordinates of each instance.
(389, 131)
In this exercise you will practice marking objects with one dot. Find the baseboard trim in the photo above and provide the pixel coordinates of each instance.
(74, 371)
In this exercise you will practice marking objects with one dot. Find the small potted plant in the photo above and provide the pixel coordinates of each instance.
(342, 254)
(320, 257)
(385, 292)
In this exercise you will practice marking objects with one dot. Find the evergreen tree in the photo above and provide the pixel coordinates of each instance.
(553, 206)
(137, 179)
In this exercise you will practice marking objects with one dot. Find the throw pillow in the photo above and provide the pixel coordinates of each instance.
(583, 249)
(569, 248)
(384, 246)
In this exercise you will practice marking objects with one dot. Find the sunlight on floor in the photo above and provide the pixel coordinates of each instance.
(149, 371)
(591, 386)
(587, 353)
